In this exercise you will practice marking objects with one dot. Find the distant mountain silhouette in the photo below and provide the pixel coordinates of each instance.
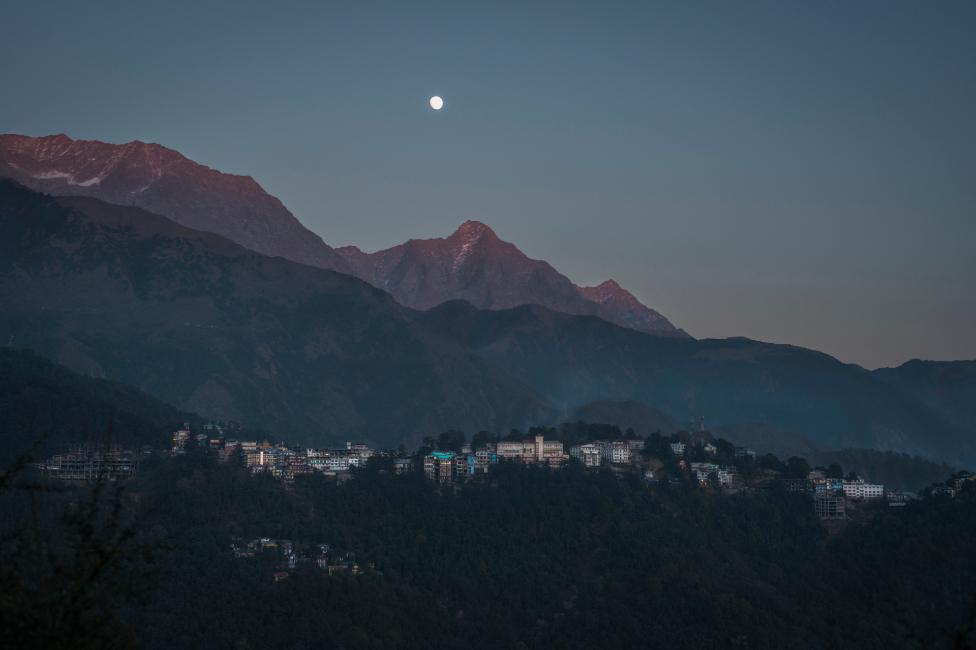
(946, 387)
(44, 406)
(317, 356)
(164, 181)
(574, 360)
(474, 265)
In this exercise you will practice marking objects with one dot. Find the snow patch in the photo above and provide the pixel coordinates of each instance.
(471, 237)
(95, 180)
(43, 176)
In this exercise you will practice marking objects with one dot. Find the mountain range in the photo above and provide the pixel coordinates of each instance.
(319, 356)
(473, 264)
(164, 181)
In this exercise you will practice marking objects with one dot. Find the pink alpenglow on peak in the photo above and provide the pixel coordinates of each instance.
(164, 181)
(475, 265)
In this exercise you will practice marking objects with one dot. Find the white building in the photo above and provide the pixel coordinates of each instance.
(589, 454)
(861, 490)
(678, 448)
(617, 452)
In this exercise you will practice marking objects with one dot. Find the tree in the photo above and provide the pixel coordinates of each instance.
(482, 439)
(797, 467)
(451, 441)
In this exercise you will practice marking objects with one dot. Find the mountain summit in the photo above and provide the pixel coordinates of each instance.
(473, 264)
(164, 181)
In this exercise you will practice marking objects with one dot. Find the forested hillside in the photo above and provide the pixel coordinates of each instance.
(530, 558)
(44, 405)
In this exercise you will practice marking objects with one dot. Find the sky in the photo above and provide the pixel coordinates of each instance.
(795, 172)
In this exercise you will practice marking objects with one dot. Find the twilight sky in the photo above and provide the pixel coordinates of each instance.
(793, 172)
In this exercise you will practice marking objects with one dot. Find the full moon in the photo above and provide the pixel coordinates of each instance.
(436, 103)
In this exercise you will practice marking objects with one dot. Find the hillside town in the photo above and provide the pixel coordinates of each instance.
(678, 460)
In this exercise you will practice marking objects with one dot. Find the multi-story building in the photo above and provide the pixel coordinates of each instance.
(798, 485)
(359, 452)
(440, 466)
(744, 452)
(230, 448)
(536, 450)
(702, 470)
(180, 438)
(338, 460)
(897, 498)
(89, 463)
(678, 448)
(295, 465)
(830, 506)
(861, 490)
(264, 459)
(485, 457)
(402, 465)
(617, 452)
(827, 485)
(726, 476)
(589, 454)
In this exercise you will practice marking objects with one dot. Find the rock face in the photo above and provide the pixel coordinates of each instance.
(164, 181)
(474, 265)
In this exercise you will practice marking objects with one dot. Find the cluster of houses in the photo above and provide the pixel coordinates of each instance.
(954, 486)
(450, 466)
(831, 495)
(289, 556)
(604, 452)
(278, 460)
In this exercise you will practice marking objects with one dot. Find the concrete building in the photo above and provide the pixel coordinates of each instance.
(180, 438)
(530, 451)
(90, 463)
(861, 490)
(402, 465)
(440, 466)
(617, 452)
(589, 454)
(830, 506)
